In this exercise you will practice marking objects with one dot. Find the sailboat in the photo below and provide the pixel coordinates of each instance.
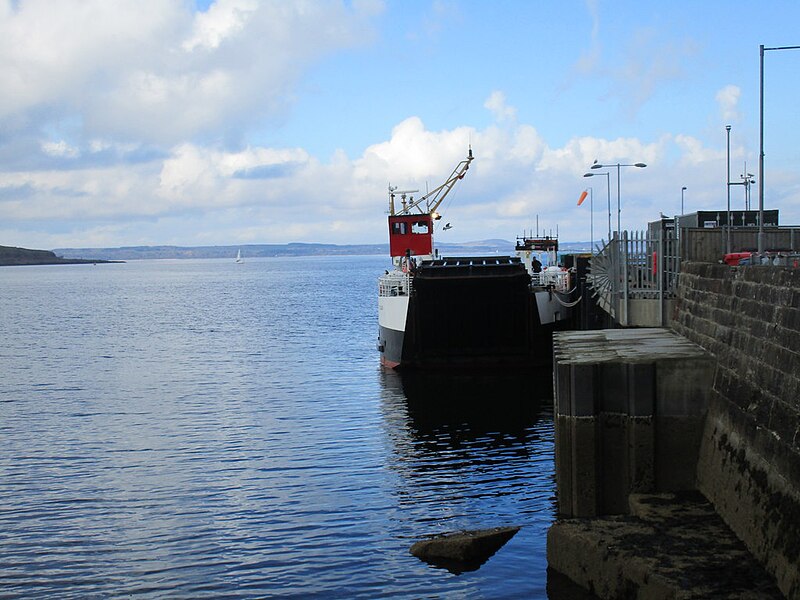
(239, 258)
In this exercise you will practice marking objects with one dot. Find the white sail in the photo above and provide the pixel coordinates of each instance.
(239, 258)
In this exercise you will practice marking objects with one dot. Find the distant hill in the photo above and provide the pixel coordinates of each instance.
(488, 247)
(259, 250)
(12, 256)
(248, 251)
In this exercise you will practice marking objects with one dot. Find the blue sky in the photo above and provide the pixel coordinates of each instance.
(237, 121)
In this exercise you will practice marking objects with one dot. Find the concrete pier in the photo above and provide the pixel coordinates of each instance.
(733, 440)
(629, 408)
(670, 546)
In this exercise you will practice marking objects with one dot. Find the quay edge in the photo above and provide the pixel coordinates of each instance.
(747, 467)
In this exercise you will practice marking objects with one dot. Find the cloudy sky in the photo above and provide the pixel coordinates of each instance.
(142, 122)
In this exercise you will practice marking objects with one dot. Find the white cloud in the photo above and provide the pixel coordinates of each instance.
(694, 153)
(151, 71)
(201, 195)
(728, 101)
(413, 154)
(122, 188)
(496, 103)
(60, 148)
(222, 20)
(52, 52)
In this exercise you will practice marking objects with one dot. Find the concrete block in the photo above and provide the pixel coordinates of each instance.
(636, 397)
(585, 467)
(615, 480)
(677, 447)
(641, 454)
(564, 468)
(582, 390)
(562, 392)
(680, 550)
(613, 387)
(641, 389)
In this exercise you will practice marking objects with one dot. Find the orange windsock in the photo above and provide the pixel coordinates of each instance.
(584, 193)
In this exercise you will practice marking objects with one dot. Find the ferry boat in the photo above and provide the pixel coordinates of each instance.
(465, 311)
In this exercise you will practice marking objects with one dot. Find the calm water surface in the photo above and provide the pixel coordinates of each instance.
(204, 429)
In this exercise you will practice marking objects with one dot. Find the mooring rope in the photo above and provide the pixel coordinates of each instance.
(568, 304)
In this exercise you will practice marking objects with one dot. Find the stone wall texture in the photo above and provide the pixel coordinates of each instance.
(749, 463)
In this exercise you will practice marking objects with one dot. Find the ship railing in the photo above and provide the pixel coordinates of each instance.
(394, 284)
(555, 278)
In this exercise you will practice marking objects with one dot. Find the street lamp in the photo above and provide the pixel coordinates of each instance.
(597, 165)
(608, 187)
(683, 189)
(762, 49)
(728, 218)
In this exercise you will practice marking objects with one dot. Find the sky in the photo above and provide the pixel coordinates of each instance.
(233, 122)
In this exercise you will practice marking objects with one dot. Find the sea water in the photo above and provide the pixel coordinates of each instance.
(200, 428)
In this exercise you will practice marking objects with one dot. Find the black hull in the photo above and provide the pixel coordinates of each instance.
(472, 315)
(390, 344)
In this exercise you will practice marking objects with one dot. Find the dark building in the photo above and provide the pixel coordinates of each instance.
(719, 218)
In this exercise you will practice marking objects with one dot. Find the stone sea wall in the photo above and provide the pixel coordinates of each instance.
(749, 460)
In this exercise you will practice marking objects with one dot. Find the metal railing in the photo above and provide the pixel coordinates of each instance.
(394, 283)
(552, 277)
(634, 268)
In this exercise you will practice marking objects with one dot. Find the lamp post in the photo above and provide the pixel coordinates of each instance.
(683, 189)
(596, 165)
(728, 186)
(608, 187)
(762, 49)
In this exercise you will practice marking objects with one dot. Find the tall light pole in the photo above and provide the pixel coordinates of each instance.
(596, 165)
(762, 49)
(728, 186)
(683, 189)
(608, 187)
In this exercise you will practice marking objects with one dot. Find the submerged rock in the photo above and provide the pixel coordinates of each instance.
(464, 550)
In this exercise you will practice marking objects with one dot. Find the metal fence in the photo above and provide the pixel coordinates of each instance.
(711, 244)
(634, 276)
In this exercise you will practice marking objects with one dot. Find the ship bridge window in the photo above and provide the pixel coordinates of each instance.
(420, 227)
(399, 228)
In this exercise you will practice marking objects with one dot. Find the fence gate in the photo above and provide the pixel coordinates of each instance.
(634, 276)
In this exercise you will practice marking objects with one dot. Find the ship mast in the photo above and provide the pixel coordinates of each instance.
(432, 199)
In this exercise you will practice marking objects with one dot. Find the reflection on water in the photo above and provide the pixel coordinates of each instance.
(476, 418)
(489, 409)
(474, 452)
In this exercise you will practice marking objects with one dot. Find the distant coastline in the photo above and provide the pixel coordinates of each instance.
(273, 250)
(11, 256)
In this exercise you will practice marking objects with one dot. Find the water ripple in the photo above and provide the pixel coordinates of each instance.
(196, 429)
